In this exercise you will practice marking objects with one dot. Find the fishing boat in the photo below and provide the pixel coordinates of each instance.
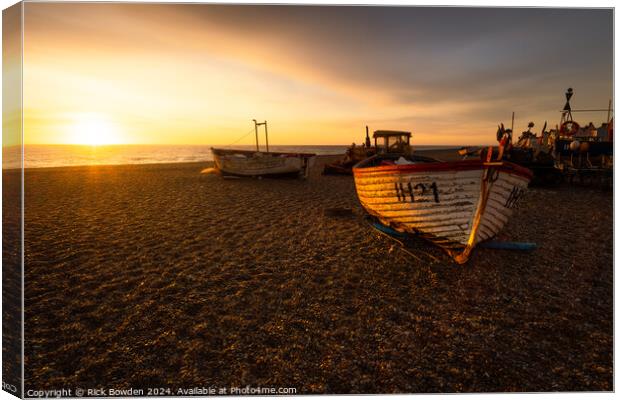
(565, 152)
(250, 163)
(456, 205)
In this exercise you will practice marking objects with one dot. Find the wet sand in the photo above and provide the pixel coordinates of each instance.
(159, 276)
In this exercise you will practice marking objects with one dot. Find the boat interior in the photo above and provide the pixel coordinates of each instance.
(394, 159)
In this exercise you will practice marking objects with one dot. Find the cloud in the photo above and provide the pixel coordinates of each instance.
(351, 64)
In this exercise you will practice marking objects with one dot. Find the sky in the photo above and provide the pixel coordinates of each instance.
(11, 77)
(198, 74)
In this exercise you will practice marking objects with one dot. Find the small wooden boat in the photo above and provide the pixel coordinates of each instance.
(261, 163)
(456, 205)
(256, 163)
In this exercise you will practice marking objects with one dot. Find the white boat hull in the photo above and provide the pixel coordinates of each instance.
(248, 163)
(455, 205)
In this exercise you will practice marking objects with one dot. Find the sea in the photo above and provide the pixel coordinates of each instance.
(45, 156)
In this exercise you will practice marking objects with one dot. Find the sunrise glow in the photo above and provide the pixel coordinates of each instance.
(198, 74)
(94, 130)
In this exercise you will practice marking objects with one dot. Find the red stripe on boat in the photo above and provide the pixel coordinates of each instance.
(465, 165)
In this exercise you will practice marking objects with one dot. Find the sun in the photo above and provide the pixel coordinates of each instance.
(94, 130)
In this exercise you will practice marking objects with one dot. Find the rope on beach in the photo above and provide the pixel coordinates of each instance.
(403, 247)
(242, 137)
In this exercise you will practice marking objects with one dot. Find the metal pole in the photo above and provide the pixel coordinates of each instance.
(256, 133)
(512, 127)
(608, 111)
(266, 137)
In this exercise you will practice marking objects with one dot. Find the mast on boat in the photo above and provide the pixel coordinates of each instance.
(256, 125)
(567, 111)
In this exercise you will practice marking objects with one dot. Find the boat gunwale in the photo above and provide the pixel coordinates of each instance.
(225, 152)
(441, 166)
